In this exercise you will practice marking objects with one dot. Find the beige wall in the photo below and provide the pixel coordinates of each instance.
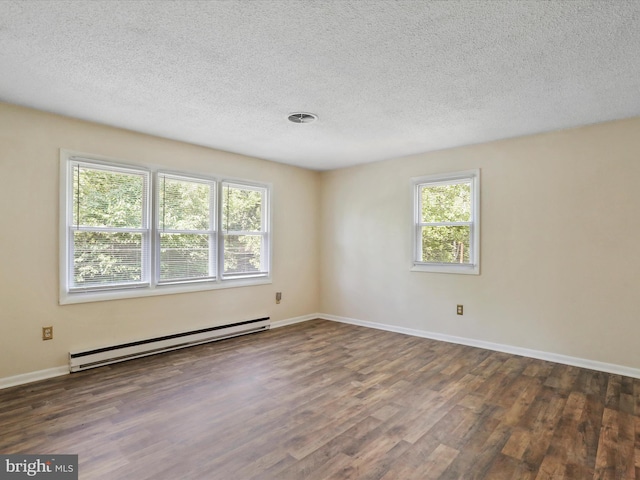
(560, 234)
(29, 192)
(560, 245)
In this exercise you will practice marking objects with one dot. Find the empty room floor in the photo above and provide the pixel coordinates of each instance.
(325, 400)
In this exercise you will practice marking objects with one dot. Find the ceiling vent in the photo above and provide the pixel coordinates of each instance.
(301, 117)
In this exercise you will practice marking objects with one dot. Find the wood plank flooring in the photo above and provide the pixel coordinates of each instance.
(324, 400)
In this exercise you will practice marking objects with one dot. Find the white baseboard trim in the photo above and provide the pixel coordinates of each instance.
(58, 371)
(294, 320)
(498, 347)
(33, 376)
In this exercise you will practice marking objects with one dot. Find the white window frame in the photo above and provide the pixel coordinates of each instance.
(144, 229)
(471, 268)
(151, 286)
(265, 260)
(212, 231)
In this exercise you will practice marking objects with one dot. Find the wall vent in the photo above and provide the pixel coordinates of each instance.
(302, 117)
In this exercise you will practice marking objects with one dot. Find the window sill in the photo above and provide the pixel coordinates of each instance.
(442, 268)
(67, 298)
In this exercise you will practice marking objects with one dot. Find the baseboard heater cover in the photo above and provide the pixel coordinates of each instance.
(118, 353)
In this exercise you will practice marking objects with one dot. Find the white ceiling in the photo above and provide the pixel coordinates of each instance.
(386, 78)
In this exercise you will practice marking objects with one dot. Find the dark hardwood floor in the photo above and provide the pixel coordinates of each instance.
(324, 400)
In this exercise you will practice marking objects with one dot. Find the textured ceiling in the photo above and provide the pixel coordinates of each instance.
(386, 78)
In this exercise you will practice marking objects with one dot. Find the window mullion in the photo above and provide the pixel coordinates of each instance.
(245, 232)
(188, 232)
(155, 228)
(445, 224)
(84, 228)
(213, 240)
(146, 235)
(220, 236)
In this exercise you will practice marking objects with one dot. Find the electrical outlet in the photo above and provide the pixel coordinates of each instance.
(278, 297)
(47, 333)
(459, 310)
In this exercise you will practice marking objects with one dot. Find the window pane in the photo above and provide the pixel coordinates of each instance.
(101, 258)
(446, 203)
(184, 256)
(107, 198)
(183, 205)
(242, 253)
(241, 209)
(449, 244)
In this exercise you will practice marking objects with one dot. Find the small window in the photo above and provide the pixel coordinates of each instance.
(244, 230)
(108, 236)
(186, 228)
(447, 223)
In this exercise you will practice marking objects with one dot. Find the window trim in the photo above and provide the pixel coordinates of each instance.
(152, 286)
(264, 233)
(144, 229)
(446, 178)
(157, 232)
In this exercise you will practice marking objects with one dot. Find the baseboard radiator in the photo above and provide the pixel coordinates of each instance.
(118, 353)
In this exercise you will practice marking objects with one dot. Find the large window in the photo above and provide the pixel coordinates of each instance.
(447, 223)
(130, 231)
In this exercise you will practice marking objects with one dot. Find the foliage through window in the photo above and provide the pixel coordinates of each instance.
(109, 226)
(244, 233)
(129, 227)
(186, 228)
(447, 223)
